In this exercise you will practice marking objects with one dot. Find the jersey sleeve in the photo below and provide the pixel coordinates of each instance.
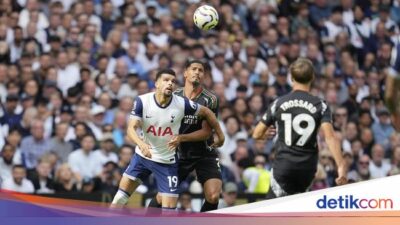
(326, 113)
(269, 116)
(137, 110)
(191, 108)
(214, 106)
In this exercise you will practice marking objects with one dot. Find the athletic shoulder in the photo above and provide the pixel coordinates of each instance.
(146, 96)
(212, 97)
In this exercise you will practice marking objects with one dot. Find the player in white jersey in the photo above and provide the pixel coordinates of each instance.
(159, 114)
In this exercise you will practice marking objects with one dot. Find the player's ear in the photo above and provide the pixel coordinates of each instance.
(156, 83)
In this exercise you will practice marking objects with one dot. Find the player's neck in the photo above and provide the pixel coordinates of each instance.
(162, 99)
(191, 91)
(301, 87)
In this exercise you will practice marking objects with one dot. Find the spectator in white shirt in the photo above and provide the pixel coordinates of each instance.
(24, 16)
(105, 154)
(333, 26)
(68, 75)
(18, 182)
(378, 167)
(82, 161)
(157, 36)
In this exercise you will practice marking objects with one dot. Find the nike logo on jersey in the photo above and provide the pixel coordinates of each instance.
(172, 190)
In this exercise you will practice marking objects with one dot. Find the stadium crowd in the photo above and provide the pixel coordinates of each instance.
(69, 71)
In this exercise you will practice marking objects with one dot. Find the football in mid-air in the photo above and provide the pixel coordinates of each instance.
(206, 17)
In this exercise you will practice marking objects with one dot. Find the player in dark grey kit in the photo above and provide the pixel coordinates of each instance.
(298, 117)
(197, 155)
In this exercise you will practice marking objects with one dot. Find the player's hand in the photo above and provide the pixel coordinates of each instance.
(174, 142)
(271, 132)
(218, 141)
(146, 149)
(342, 175)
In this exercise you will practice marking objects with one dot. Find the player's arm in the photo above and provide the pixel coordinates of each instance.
(200, 135)
(265, 128)
(134, 123)
(391, 92)
(334, 146)
(392, 88)
(205, 132)
(212, 120)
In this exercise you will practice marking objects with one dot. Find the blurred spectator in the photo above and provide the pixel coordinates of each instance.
(11, 117)
(110, 178)
(34, 146)
(328, 164)
(320, 180)
(125, 155)
(82, 161)
(382, 128)
(66, 180)
(58, 144)
(6, 162)
(185, 202)
(233, 132)
(361, 172)
(229, 195)
(14, 139)
(281, 85)
(41, 180)
(379, 166)
(256, 178)
(105, 153)
(119, 128)
(18, 181)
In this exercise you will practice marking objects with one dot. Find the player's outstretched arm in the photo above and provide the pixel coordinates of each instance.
(262, 132)
(391, 92)
(212, 120)
(259, 131)
(334, 146)
(392, 89)
(133, 125)
(199, 135)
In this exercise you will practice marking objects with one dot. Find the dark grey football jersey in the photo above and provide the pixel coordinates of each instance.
(298, 117)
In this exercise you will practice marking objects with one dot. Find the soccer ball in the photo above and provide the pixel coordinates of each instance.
(206, 17)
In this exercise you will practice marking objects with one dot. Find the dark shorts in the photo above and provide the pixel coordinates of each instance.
(289, 182)
(206, 168)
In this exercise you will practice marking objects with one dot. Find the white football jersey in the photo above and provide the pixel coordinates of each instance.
(159, 124)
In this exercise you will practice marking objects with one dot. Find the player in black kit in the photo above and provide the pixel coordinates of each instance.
(198, 155)
(298, 117)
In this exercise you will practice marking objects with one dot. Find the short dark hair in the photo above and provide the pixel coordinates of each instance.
(128, 146)
(89, 135)
(18, 166)
(190, 62)
(167, 71)
(302, 71)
